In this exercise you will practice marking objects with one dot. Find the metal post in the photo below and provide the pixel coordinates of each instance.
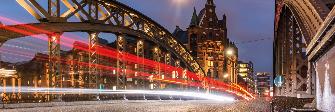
(54, 8)
(157, 58)
(121, 67)
(55, 77)
(93, 60)
(179, 74)
(94, 75)
(140, 54)
(167, 60)
(93, 9)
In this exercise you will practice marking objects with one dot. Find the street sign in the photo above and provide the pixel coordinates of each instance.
(279, 81)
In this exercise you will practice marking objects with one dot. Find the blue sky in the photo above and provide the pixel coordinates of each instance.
(247, 20)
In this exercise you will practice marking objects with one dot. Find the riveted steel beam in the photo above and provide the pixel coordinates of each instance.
(112, 14)
(54, 64)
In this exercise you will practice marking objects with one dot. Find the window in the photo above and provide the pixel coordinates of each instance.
(210, 35)
(193, 44)
(210, 64)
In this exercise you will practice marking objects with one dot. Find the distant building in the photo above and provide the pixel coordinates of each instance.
(263, 83)
(206, 39)
(246, 72)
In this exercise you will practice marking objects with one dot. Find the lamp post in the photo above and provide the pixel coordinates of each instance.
(229, 53)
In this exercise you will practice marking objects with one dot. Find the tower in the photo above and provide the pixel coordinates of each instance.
(208, 43)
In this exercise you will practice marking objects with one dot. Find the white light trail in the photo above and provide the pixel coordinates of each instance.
(106, 91)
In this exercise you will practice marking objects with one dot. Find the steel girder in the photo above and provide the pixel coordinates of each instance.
(139, 67)
(94, 75)
(121, 64)
(290, 56)
(54, 67)
(109, 13)
(309, 14)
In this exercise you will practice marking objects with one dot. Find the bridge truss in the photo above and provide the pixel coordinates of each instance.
(88, 65)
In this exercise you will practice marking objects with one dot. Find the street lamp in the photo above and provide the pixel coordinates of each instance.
(225, 75)
(230, 52)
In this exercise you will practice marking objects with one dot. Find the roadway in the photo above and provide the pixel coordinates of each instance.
(257, 105)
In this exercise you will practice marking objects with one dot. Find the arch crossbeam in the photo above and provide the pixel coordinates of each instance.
(309, 14)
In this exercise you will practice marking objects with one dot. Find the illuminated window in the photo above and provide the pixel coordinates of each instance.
(210, 64)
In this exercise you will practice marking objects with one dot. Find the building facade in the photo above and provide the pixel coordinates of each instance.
(263, 81)
(246, 72)
(206, 39)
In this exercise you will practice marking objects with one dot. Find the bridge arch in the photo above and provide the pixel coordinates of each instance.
(296, 24)
(102, 16)
(309, 14)
(94, 17)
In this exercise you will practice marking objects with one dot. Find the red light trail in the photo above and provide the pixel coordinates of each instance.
(130, 59)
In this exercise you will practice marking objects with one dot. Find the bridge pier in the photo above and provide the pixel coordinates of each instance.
(55, 76)
(94, 74)
(157, 70)
(121, 81)
(291, 59)
(139, 67)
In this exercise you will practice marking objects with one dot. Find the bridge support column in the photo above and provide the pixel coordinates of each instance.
(94, 75)
(121, 82)
(141, 80)
(157, 58)
(179, 73)
(291, 60)
(167, 71)
(121, 74)
(167, 60)
(55, 78)
(157, 69)
(93, 60)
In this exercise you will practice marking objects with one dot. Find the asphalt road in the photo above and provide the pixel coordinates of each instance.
(258, 105)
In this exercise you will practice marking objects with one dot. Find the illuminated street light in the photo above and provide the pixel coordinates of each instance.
(226, 75)
(179, 2)
(230, 52)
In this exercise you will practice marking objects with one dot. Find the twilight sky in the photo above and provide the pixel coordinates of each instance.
(247, 20)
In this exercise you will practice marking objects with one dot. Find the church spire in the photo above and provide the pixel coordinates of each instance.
(210, 2)
(194, 20)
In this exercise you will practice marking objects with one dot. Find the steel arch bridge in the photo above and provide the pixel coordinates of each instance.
(297, 23)
(105, 16)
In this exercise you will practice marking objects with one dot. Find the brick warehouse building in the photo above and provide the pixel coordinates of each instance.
(206, 39)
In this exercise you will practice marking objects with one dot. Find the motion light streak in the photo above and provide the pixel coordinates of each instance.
(156, 78)
(36, 29)
(111, 92)
(148, 63)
